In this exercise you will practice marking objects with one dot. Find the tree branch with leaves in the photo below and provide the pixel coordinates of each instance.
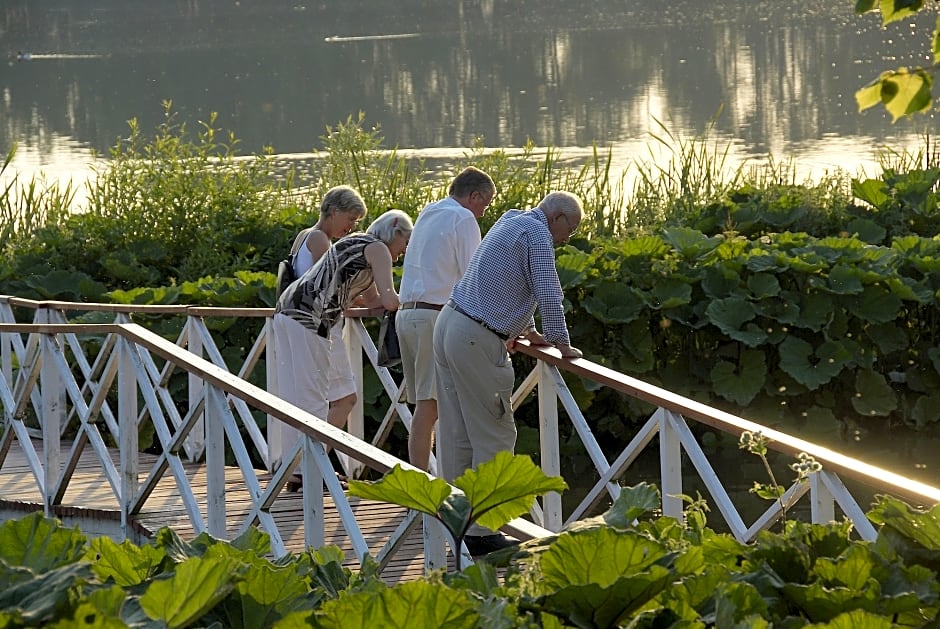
(904, 91)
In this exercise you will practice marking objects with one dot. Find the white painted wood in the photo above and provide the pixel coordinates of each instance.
(355, 424)
(216, 409)
(548, 439)
(722, 500)
(670, 469)
(127, 419)
(244, 413)
(623, 461)
(822, 502)
(848, 504)
(196, 440)
(435, 544)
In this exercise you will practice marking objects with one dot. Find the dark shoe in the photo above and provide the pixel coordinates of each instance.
(295, 483)
(484, 544)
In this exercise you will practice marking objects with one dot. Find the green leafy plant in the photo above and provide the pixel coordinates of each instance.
(805, 465)
(491, 495)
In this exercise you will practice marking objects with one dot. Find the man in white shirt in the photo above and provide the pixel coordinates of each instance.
(444, 239)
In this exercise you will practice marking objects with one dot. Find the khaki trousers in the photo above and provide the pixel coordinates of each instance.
(474, 386)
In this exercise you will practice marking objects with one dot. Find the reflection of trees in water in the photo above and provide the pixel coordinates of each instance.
(506, 71)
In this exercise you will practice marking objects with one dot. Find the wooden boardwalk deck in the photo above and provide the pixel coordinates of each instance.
(89, 503)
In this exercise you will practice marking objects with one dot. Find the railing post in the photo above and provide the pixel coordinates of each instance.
(53, 414)
(270, 368)
(216, 404)
(196, 439)
(548, 438)
(670, 465)
(435, 551)
(822, 502)
(6, 345)
(127, 420)
(356, 420)
(314, 521)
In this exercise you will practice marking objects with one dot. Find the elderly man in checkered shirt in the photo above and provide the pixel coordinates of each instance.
(511, 274)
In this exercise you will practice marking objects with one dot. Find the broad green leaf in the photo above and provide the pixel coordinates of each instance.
(39, 543)
(873, 395)
(456, 513)
(573, 267)
(504, 488)
(927, 410)
(822, 604)
(763, 285)
(265, 595)
(689, 243)
(809, 368)
(903, 92)
(592, 605)
(871, 191)
(638, 345)
(614, 302)
(87, 616)
(36, 600)
(731, 315)
(936, 42)
(632, 503)
(740, 383)
(888, 337)
(844, 280)
(406, 606)
(852, 569)
(866, 230)
(857, 619)
(599, 556)
(721, 280)
(815, 311)
(599, 575)
(737, 602)
(863, 6)
(408, 488)
(198, 585)
(327, 572)
(254, 541)
(919, 525)
(894, 10)
(126, 563)
(670, 293)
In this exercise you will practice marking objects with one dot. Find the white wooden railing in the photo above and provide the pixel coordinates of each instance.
(44, 365)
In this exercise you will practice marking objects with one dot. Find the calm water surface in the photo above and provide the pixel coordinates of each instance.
(437, 76)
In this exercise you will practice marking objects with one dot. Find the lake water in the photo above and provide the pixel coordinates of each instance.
(435, 76)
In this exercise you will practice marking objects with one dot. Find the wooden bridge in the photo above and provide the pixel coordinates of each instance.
(76, 395)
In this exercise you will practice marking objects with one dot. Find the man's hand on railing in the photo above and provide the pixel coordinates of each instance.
(567, 351)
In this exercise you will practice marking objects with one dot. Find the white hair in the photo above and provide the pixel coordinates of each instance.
(392, 222)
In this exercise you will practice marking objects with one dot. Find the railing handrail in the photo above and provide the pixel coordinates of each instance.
(668, 422)
(733, 424)
(180, 309)
(269, 403)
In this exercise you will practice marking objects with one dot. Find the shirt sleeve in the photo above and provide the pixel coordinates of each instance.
(547, 289)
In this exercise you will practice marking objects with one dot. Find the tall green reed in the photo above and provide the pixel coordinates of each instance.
(27, 206)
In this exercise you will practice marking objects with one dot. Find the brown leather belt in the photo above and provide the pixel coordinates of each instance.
(419, 305)
(453, 304)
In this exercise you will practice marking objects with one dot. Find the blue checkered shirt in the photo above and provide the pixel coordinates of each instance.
(512, 272)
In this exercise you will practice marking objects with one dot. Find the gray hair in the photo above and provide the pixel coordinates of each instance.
(392, 222)
(470, 180)
(342, 199)
(565, 203)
